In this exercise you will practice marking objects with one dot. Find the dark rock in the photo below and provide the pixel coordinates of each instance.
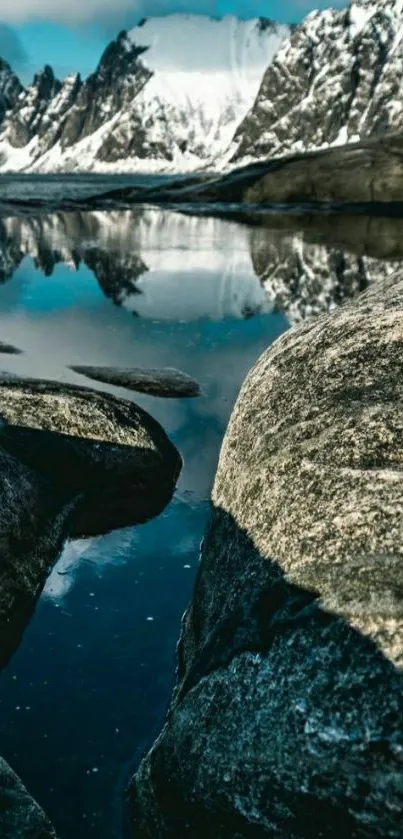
(10, 88)
(166, 382)
(367, 172)
(20, 816)
(287, 719)
(105, 449)
(34, 522)
(72, 462)
(8, 349)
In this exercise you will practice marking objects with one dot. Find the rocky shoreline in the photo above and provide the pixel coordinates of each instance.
(287, 718)
(368, 173)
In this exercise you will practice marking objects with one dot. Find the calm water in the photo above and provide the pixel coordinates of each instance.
(86, 692)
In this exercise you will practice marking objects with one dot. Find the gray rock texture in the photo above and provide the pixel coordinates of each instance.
(166, 382)
(287, 719)
(20, 816)
(72, 462)
(105, 450)
(370, 171)
(336, 79)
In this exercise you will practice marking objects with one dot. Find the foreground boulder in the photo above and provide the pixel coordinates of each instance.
(105, 451)
(72, 462)
(287, 720)
(20, 816)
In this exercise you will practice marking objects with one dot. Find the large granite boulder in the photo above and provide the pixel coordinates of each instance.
(287, 719)
(20, 816)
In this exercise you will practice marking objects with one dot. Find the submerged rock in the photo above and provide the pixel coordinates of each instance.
(9, 349)
(287, 719)
(166, 382)
(20, 816)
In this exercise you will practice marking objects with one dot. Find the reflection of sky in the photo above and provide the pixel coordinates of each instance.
(86, 691)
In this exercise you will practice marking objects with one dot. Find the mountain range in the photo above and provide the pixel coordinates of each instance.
(188, 92)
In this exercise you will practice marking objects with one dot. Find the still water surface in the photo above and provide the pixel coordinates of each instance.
(86, 692)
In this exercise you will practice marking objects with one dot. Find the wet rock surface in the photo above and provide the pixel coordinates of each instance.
(72, 462)
(8, 349)
(166, 382)
(20, 816)
(287, 719)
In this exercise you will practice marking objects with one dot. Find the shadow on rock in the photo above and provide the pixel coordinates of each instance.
(20, 815)
(286, 721)
(73, 462)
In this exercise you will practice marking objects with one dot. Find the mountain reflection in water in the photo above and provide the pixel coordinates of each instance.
(86, 691)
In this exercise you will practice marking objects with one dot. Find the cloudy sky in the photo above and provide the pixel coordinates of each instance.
(71, 34)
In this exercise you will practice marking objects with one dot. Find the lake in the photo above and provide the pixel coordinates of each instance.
(86, 692)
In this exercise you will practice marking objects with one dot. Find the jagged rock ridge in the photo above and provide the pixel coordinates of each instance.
(337, 79)
(171, 91)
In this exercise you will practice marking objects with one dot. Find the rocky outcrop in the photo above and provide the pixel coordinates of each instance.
(154, 98)
(167, 382)
(20, 816)
(335, 80)
(368, 172)
(108, 454)
(287, 719)
(10, 88)
(72, 462)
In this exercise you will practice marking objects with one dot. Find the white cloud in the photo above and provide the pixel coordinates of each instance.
(65, 11)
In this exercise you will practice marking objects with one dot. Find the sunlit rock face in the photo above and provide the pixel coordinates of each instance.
(169, 93)
(287, 719)
(335, 80)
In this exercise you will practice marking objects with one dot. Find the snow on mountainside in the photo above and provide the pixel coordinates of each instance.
(168, 94)
(338, 78)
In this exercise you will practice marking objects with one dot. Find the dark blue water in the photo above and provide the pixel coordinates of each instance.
(86, 692)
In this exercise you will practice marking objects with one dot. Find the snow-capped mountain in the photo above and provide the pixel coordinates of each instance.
(184, 92)
(10, 88)
(338, 78)
(169, 93)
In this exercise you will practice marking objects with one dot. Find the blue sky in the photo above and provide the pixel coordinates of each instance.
(71, 34)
